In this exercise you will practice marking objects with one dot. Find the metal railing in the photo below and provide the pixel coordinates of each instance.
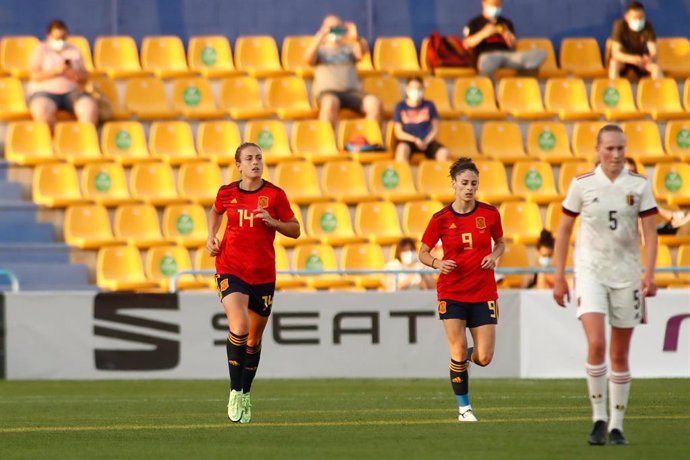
(14, 281)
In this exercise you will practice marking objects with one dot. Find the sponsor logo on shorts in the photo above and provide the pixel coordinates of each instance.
(263, 202)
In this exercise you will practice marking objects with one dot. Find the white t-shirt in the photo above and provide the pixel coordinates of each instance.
(608, 240)
(415, 279)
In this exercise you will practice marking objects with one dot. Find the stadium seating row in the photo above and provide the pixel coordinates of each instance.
(211, 56)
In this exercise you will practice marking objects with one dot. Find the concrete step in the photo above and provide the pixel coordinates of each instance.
(25, 232)
(49, 253)
(17, 211)
(11, 191)
(48, 277)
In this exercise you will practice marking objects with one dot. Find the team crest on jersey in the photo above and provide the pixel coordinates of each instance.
(263, 202)
(630, 198)
(481, 223)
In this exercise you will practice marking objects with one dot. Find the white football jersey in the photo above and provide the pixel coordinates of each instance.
(608, 239)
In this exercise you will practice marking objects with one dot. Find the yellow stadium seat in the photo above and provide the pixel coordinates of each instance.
(660, 99)
(433, 180)
(317, 257)
(363, 256)
(474, 97)
(193, 98)
(397, 56)
(117, 56)
(644, 142)
(56, 185)
(300, 181)
(105, 87)
(458, 137)
(416, 216)
(684, 261)
(272, 137)
(15, 52)
(569, 170)
(435, 90)
(533, 181)
(304, 237)
(12, 101)
(258, 56)
(211, 56)
(674, 56)
(199, 182)
(287, 97)
(520, 97)
(138, 225)
(549, 68)
(584, 139)
(154, 183)
(124, 142)
(343, 180)
(493, 182)
(185, 224)
(677, 139)
(283, 280)
(292, 55)
(387, 89)
(378, 222)
(172, 142)
(28, 143)
(217, 141)
(370, 129)
(203, 261)
(164, 57)
(515, 256)
(614, 99)
(105, 184)
(502, 140)
(85, 49)
(146, 99)
(567, 97)
(554, 212)
(548, 141)
(365, 68)
(77, 142)
(442, 72)
(581, 57)
(119, 268)
(672, 183)
(314, 140)
(663, 260)
(392, 181)
(162, 262)
(330, 223)
(241, 99)
(87, 226)
(521, 221)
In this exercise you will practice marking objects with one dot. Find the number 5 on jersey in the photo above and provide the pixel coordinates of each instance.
(246, 216)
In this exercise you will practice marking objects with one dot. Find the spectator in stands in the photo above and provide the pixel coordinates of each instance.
(416, 125)
(406, 259)
(492, 38)
(545, 247)
(57, 78)
(634, 45)
(334, 52)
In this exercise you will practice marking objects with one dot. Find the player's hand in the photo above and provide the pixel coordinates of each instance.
(648, 287)
(213, 246)
(447, 266)
(488, 262)
(71, 74)
(561, 293)
(263, 214)
(677, 219)
(489, 29)
(420, 144)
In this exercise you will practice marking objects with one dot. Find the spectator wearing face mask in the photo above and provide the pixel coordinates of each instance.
(57, 76)
(634, 45)
(416, 125)
(545, 247)
(406, 259)
(492, 38)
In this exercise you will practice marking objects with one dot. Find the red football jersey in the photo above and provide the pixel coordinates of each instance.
(467, 239)
(247, 247)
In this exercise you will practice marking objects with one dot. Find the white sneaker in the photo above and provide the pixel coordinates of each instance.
(467, 416)
(235, 406)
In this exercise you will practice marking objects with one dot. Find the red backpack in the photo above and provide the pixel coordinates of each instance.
(447, 51)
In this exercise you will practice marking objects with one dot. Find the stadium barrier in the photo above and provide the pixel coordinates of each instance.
(58, 335)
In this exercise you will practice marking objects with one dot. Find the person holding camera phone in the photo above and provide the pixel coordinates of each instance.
(57, 77)
(334, 52)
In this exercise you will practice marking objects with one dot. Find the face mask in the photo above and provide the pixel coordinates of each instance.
(493, 11)
(415, 94)
(544, 261)
(407, 257)
(636, 24)
(56, 44)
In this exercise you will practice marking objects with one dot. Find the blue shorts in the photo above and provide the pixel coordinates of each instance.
(62, 101)
(260, 295)
(474, 314)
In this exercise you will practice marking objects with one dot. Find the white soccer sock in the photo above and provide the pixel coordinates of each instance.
(619, 388)
(596, 385)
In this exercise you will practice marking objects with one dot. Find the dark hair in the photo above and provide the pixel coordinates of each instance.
(609, 128)
(630, 162)
(417, 79)
(243, 146)
(404, 242)
(546, 240)
(634, 6)
(56, 24)
(462, 164)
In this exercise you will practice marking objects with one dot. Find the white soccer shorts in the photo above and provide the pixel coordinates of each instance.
(624, 306)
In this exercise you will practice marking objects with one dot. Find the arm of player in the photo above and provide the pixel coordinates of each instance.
(475, 39)
(425, 257)
(489, 262)
(618, 54)
(212, 243)
(561, 294)
(289, 228)
(310, 52)
(650, 247)
(403, 135)
(432, 133)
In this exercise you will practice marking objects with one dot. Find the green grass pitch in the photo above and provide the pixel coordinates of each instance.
(327, 419)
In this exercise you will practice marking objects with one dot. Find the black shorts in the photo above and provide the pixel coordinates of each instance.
(474, 314)
(430, 151)
(639, 72)
(351, 99)
(260, 295)
(62, 101)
